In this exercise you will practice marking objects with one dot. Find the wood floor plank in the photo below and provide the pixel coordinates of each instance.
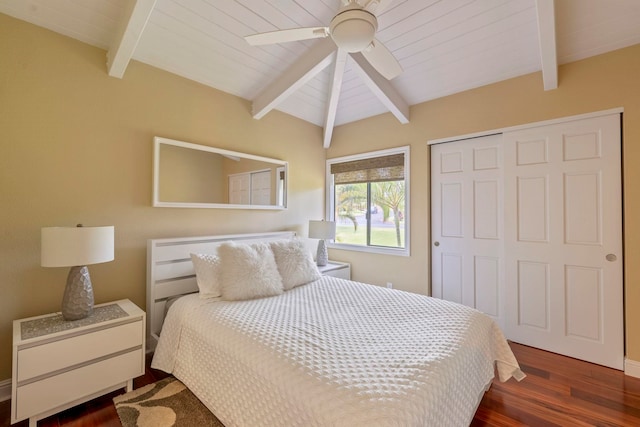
(535, 409)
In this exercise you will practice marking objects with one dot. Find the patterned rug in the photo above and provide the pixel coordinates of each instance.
(163, 404)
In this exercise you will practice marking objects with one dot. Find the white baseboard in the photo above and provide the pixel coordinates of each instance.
(5, 390)
(632, 368)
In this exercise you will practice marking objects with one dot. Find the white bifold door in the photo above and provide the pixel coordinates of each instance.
(527, 227)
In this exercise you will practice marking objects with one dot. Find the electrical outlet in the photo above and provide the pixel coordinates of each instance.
(389, 285)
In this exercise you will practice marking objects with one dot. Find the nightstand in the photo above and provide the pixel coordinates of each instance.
(336, 269)
(58, 364)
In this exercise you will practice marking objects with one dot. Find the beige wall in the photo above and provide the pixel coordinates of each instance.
(76, 146)
(599, 83)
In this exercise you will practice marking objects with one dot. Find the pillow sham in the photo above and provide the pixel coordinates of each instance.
(295, 263)
(207, 269)
(248, 271)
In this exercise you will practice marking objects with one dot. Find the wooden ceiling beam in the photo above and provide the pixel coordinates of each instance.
(382, 88)
(545, 10)
(298, 74)
(334, 95)
(133, 23)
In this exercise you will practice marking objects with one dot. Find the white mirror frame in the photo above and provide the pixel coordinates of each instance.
(159, 141)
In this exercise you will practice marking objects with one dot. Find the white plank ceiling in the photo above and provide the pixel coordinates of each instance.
(444, 46)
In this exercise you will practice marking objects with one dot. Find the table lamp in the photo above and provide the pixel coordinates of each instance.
(322, 230)
(76, 247)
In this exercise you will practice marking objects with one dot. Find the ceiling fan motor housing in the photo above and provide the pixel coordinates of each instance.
(353, 30)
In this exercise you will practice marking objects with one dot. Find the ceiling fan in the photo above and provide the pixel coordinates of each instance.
(352, 29)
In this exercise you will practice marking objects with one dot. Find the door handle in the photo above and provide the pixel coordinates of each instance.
(611, 257)
(436, 243)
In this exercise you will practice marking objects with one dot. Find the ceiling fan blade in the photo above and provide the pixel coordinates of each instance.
(382, 60)
(283, 36)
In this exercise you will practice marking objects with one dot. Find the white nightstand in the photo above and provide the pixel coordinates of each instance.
(336, 269)
(58, 364)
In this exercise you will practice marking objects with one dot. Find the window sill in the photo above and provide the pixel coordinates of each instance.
(370, 249)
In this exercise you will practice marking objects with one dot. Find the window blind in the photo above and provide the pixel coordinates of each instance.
(376, 169)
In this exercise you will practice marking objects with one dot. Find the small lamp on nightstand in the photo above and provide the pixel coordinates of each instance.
(76, 247)
(322, 230)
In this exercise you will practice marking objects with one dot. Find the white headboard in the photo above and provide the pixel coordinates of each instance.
(170, 272)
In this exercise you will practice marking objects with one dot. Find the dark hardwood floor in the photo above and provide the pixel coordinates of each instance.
(558, 391)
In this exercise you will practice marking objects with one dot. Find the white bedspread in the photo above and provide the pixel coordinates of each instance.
(335, 353)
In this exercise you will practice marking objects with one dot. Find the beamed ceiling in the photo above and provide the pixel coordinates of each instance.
(443, 46)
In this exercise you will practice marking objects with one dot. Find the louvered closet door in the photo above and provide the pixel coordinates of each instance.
(467, 223)
(563, 239)
(261, 188)
(240, 189)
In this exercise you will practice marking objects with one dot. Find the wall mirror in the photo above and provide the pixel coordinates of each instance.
(187, 175)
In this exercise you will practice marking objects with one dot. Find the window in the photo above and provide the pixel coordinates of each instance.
(368, 198)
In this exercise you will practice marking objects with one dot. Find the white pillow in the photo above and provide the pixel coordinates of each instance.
(295, 263)
(248, 271)
(207, 269)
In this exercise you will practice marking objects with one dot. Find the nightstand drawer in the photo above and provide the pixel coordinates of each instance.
(41, 396)
(49, 357)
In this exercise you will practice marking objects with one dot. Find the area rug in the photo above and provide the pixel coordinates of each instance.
(163, 404)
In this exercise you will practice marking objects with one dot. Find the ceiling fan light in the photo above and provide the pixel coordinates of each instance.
(353, 30)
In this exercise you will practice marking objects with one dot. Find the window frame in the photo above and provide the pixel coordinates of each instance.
(330, 197)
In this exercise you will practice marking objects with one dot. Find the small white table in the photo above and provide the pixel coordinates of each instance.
(336, 269)
(58, 364)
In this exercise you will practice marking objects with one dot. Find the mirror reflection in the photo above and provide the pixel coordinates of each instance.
(192, 175)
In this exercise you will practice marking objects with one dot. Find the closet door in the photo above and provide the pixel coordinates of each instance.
(239, 189)
(527, 227)
(261, 188)
(563, 239)
(467, 223)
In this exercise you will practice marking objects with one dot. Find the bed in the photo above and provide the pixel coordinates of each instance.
(329, 352)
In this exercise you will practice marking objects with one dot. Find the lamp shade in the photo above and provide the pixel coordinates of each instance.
(76, 246)
(322, 229)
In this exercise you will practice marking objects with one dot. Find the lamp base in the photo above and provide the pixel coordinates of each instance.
(77, 302)
(322, 257)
